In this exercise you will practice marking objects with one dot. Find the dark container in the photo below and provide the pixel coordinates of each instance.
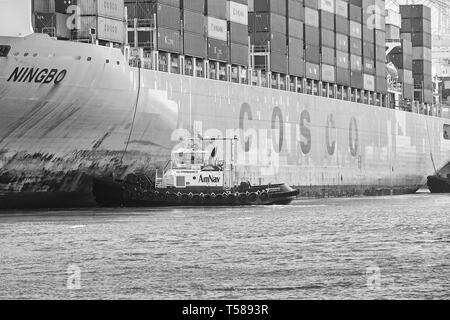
(312, 35)
(194, 45)
(343, 77)
(380, 38)
(168, 17)
(144, 39)
(296, 10)
(425, 96)
(312, 54)
(416, 25)
(326, 20)
(238, 33)
(342, 25)
(342, 60)
(270, 22)
(415, 11)
(313, 4)
(295, 29)
(296, 67)
(355, 13)
(400, 60)
(61, 6)
(381, 85)
(277, 40)
(216, 9)
(251, 22)
(274, 6)
(296, 48)
(194, 22)
(368, 50)
(328, 56)
(141, 10)
(421, 67)
(169, 40)
(327, 38)
(420, 39)
(342, 42)
(194, 5)
(217, 50)
(278, 62)
(369, 66)
(239, 54)
(357, 3)
(312, 71)
(356, 79)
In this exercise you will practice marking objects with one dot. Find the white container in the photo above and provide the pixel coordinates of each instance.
(393, 18)
(421, 53)
(326, 5)
(113, 9)
(311, 17)
(355, 29)
(341, 8)
(217, 29)
(237, 12)
(328, 73)
(106, 29)
(369, 82)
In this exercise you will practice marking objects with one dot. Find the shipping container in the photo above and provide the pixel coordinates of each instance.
(194, 5)
(278, 41)
(326, 20)
(278, 62)
(295, 29)
(62, 6)
(356, 79)
(312, 54)
(274, 6)
(341, 8)
(342, 77)
(369, 66)
(106, 29)
(368, 50)
(342, 60)
(342, 25)
(239, 54)
(328, 56)
(216, 9)
(420, 39)
(328, 73)
(356, 46)
(169, 40)
(312, 36)
(140, 10)
(380, 68)
(405, 76)
(368, 35)
(296, 67)
(168, 17)
(415, 11)
(218, 50)
(311, 17)
(423, 81)
(238, 33)
(312, 71)
(217, 29)
(393, 18)
(421, 67)
(355, 13)
(342, 42)
(270, 22)
(421, 53)
(313, 4)
(355, 29)
(113, 9)
(194, 45)
(194, 22)
(296, 48)
(380, 53)
(45, 6)
(355, 63)
(408, 91)
(392, 32)
(416, 25)
(369, 82)
(237, 12)
(296, 11)
(328, 38)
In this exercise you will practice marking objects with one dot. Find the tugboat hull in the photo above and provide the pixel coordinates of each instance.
(438, 184)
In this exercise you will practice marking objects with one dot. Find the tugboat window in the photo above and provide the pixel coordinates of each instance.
(447, 131)
(4, 50)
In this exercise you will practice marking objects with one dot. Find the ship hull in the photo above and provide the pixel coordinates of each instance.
(56, 137)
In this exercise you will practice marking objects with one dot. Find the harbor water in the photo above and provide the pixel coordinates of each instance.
(392, 247)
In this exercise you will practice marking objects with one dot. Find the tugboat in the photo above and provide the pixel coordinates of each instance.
(189, 180)
(439, 183)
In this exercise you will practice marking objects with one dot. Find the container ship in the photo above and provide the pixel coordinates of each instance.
(334, 98)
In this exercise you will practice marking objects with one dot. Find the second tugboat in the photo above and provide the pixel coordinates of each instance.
(189, 180)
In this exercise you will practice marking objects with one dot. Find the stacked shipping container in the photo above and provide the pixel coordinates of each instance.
(237, 16)
(51, 18)
(295, 27)
(416, 27)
